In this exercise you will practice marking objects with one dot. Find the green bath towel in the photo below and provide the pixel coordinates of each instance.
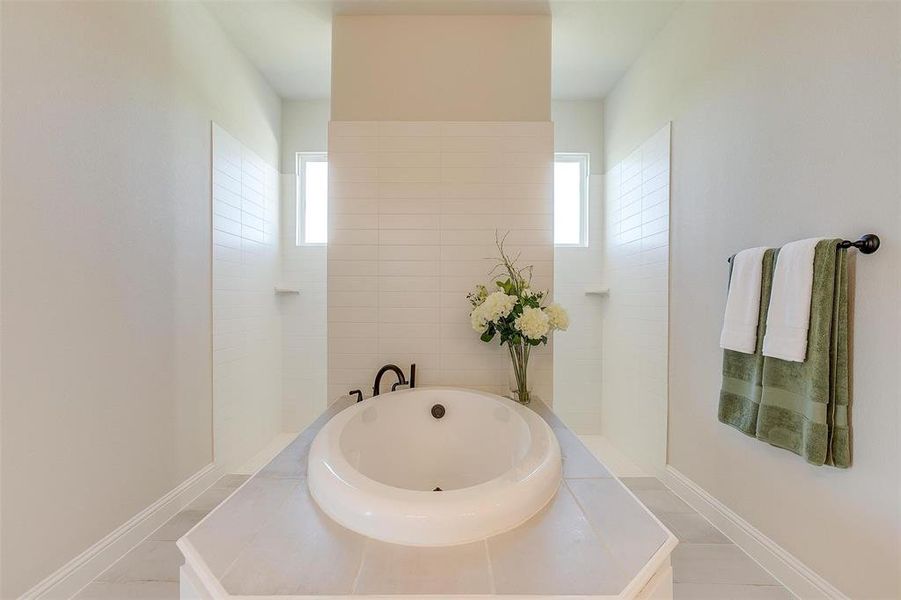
(743, 373)
(802, 407)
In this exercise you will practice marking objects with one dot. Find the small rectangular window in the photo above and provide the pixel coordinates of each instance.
(570, 199)
(312, 198)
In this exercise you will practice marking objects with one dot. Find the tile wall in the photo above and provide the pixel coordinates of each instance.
(247, 368)
(304, 337)
(413, 209)
(578, 357)
(634, 406)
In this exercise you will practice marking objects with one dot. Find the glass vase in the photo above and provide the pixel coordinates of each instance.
(519, 382)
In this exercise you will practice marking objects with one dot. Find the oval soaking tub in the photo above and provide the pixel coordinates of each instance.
(389, 469)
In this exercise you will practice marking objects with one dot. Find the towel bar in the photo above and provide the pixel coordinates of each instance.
(867, 244)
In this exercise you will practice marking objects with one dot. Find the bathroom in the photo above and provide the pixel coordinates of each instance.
(219, 220)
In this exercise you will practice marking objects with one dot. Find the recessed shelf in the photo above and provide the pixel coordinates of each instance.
(597, 291)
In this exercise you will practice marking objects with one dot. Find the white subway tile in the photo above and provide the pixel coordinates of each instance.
(409, 252)
(411, 128)
(409, 207)
(353, 144)
(435, 238)
(353, 129)
(353, 189)
(398, 190)
(408, 160)
(339, 174)
(352, 159)
(409, 144)
(407, 237)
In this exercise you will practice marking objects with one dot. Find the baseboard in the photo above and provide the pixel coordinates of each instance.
(797, 577)
(72, 577)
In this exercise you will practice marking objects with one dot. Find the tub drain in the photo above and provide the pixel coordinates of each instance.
(437, 489)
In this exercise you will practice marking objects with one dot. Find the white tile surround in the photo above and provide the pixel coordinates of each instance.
(413, 209)
(304, 341)
(634, 407)
(247, 369)
(304, 337)
(270, 538)
(578, 356)
(578, 360)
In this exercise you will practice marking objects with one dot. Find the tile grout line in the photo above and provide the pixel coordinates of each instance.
(356, 582)
(601, 539)
(490, 567)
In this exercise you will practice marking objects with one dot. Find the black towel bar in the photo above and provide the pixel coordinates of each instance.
(867, 244)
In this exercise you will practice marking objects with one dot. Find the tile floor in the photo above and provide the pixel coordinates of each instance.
(150, 570)
(706, 565)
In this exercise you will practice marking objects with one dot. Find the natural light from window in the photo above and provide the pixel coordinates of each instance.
(570, 199)
(312, 199)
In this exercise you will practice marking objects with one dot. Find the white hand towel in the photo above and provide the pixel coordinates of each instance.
(788, 317)
(743, 302)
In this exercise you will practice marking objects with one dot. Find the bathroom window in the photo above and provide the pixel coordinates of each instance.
(570, 199)
(312, 198)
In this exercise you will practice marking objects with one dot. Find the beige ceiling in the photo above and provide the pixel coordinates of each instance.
(594, 41)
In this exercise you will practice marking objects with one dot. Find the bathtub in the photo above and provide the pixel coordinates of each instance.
(400, 469)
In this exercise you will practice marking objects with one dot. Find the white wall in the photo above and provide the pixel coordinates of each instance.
(413, 211)
(304, 316)
(579, 127)
(247, 328)
(634, 409)
(106, 363)
(785, 124)
(441, 67)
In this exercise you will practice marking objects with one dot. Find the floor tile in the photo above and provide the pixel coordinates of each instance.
(717, 563)
(178, 525)
(231, 480)
(643, 483)
(149, 561)
(662, 501)
(693, 529)
(393, 569)
(712, 591)
(131, 590)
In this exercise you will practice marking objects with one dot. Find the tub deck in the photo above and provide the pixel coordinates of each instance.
(593, 540)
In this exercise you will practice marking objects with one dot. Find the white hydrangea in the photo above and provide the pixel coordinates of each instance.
(497, 306)
(533, 323)
(478, 319)
(557, 316)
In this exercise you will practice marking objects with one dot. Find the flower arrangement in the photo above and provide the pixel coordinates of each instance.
(515, 313)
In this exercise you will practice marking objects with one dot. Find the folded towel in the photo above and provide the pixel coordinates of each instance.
(788, 317)
(743, 373)
(743, 302)
(804, 406)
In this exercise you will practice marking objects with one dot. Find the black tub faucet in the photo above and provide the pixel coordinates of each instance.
(401, 380)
